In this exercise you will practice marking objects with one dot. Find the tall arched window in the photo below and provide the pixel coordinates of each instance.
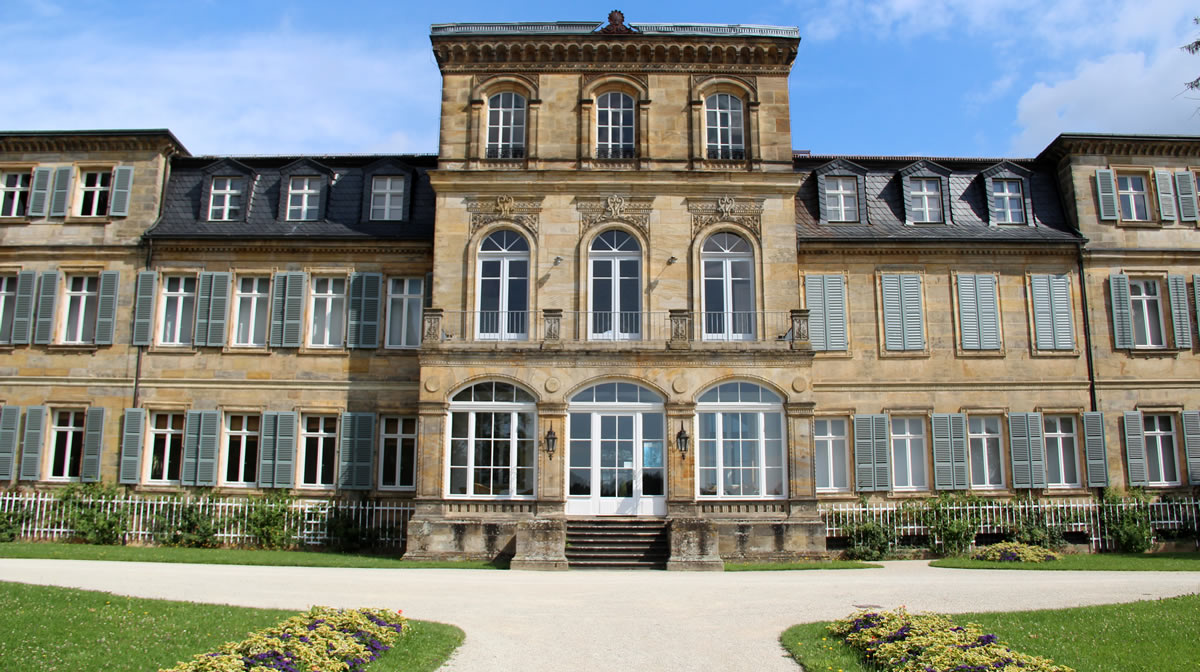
(616, 451)
(740, 443)
(616, 287)
(506, 126)
(727, 285)
(493, 442)
(614, 126)
(503, 287)
(723, 124)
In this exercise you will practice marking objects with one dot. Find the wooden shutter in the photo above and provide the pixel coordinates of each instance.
(293, 309)
(825, 296)
(93, 445)
(1060, 307)
(1135, 449)
(266, 450)
(968, 314)
(363, 324)
(191, 448)
(1166, 195)
(39, 193)
(132, 432)
(10, 421)
(278, 291)
(106, 309)
(893, 314)
(203, 305)
(43, 330)
(1185, 186)
(31, 446)
(143, 307)
(958, 450)
(914, 314)
(1095, 451)
(1122, 311)
(22, 326)
(1106, 189)
(1180, 322)
(989, 312)
(1027, 448)
(943, 467)
(872, 467)
(206, 450)
(285, 449)
(356, 453)
(218, 310)
(1191, 445)
(1196, 296)
(61, 192)
(122, 185)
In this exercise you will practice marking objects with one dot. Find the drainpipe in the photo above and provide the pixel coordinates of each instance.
(1087, 325)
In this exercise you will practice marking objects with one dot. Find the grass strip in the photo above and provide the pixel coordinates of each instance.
(784, 566)
(1111, 562)
(226, 556)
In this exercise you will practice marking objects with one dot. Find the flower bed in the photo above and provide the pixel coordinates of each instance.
(897, 641)
(1011, 551)
(324, 639)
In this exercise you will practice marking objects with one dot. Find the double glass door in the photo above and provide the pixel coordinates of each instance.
(616, 464)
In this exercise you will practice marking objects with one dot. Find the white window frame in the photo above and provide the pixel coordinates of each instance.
(841, 198)
(323, 304)
(99, 194)
(724, 127)
(74, 435)
(323, 439)
(398, 436)
(387, 199)
(249, 306)
(1008, 201)
(721, 412)
(172, 445)
(984, 438)
(1130, 197)
(304, 198)
(404, 308)
(622, 325)
(926, 200)
(826, 441)
(1056, 441)
(1144, 306)
(506, 125)
(916, 451)
(240, 437)
(14, 198)
(472, 409)
(1160, 449)
(79, 318)
(504, 316)
(610, 105)
(735, 325)
(226, 200)
(8, 305)
(177, 302)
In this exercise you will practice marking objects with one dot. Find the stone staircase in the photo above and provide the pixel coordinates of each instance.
(617, 543)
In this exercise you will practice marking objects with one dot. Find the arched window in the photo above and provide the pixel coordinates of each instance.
(616, 296)
(503, 287)
(740, 442)
(616, 451)
(614, 126)
(493, 442)
(506, 126)
(723, 123)
(727, 285)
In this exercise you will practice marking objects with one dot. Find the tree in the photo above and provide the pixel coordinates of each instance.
(1193, 47)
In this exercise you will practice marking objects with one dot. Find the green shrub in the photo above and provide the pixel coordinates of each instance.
(269, 521)
(345, 534)
(84, 510)
(869, 540)
(1131, 534)
(10, 525)
(1013, 551)
(193, 528)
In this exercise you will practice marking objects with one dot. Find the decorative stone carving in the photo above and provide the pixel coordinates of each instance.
(750, 81)
(799, 330)
(745, 212)
(524, 211)
(552, 324)
(631, 210)
(590, 77)
(529, 80)
(432, 332)
(616, 24)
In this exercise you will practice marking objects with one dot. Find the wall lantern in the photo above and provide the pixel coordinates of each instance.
(551, 442)
(681, 440)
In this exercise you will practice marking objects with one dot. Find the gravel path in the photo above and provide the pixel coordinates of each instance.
(608, 620)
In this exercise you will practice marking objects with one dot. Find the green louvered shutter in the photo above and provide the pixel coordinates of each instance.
(203, 308)
(61, 192)
(131, 446)
(1060, 306)
(1185, 186)
(1166, 195)
(814, 299)
(1182, 324)
(106, 309)
(825, 296)
(989, 312)
(218, 310)
(893, 313)
(39, 194)
(43, 329)
(1094, 449)
(122, 186)
(206, 451)
(31, 445)
(357, 451)
(22, 326)
(1043, 314)
(285, 449)
(958, 450)
(1191, 445)
(293, 310)
(872, 466)
(1122, 311)
(914, 314)
(1027, 448)
(191, 448)
(1106, 188)
(10, 421)
(266, 450)
(1037, 450)
(93, 445)
(278, 292)
(363, 324)
(143, 307)
(943, 463)
(1196, 296)
(968, 313)
(1135, 449)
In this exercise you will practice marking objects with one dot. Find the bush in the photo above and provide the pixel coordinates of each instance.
(345, 534)
(10, 525)
(192, 529)
(868, 540)
(269, 521)
(1131, 534)
(1012, 551)
(85, 511)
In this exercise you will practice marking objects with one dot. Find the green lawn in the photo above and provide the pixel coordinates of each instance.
(815, 564)
(47, 629)
(1154, 635)
(223, 556)
(1123, 562)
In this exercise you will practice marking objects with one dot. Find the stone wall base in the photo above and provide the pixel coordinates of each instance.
(541, 545)
(771, 540)
(694, 545)
(447, 539)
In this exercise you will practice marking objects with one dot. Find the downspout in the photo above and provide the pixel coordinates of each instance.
(1087, 324)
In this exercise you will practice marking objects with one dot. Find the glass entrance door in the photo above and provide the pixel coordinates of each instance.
(616, 464)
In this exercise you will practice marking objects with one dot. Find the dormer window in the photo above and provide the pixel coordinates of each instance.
(506, 126)
(1007, 188)
(840, 192)
(926, 193)
(614, 126)
(841, 199)
(225, 200)
(723, 123)
(304, 199)
(1007, 202)
(387, 198)
(925, 199)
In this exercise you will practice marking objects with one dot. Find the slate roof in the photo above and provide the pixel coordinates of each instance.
(969, 205)
(185, 217)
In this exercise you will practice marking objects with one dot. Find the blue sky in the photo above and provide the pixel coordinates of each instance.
(891, 77)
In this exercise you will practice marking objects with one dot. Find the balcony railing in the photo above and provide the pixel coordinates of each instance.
(614, 153)
(505, 152)
(727, 153)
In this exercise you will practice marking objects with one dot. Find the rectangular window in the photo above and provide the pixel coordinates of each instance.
(398, 452)
(178, 309)
(1131, 194)
(166, 447)
(831, 457)
(987, 471)
(225, 203)
(252, 306)
(387, 198)
(405, 296)
(318, 436)
(926, 200)
(908, 454)
(1145, 300)
(66, 436)
(95, 186)
(14, 194)
(8, 305)
(328, 310)
(241, 449)
(82, 299)
(304, 199)
(1161, 468)
(1007, 202)
(841, 199)
(1062, 468)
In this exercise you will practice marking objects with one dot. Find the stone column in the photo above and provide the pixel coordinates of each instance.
(541, 544)
(802, 488)
(431, 442)
(552, 469)
(681, 467)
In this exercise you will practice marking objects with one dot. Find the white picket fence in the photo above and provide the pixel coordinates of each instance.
(1079, 516)
(45, 518)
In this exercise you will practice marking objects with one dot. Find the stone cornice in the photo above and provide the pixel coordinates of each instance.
(512, 357)
(981, 248)
(1123, 145)
(54, 142)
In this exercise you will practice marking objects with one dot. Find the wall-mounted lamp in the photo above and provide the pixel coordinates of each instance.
(672, 260)
(557, 261)
(551, 442)
(681, 440)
